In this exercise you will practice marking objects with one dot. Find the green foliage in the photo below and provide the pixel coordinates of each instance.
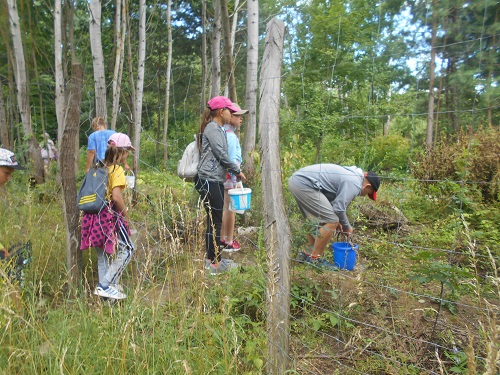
(429, 270)
(472, 158)
(387, 153)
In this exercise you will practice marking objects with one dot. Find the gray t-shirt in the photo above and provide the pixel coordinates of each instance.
(339, 184)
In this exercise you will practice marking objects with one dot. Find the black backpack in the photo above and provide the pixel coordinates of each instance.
(92, 193)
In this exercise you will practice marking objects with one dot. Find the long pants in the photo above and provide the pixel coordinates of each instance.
(212, 194)
(110, 269)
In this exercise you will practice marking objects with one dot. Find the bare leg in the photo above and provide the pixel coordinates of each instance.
(325, 234)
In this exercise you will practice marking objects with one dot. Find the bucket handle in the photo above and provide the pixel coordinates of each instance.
(131, 172)
(348, 238)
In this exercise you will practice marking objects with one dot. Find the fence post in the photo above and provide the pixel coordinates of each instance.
(276, 229)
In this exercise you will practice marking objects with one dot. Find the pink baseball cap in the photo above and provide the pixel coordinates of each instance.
(220, 102)
(121, 140)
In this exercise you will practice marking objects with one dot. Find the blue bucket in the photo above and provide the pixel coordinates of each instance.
(344, 255)
(240, 198)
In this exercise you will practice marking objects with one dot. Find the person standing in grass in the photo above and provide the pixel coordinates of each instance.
(109, 229)
(214, 163)
(234, 150)
(323, 192)
(9, 164)
(98, 142)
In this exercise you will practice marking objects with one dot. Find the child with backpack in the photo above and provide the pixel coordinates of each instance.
(108, 230)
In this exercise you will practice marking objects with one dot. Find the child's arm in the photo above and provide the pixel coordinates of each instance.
(119, 202)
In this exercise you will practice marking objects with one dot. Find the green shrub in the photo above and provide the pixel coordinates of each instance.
(473, 158)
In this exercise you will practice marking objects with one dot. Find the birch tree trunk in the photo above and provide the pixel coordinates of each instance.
(23, 92)
(252, 87)
(228, 51)
(98, 59)
(432, 68)
(216, 39)
(117, 74)
(277, 231)
(234, 23)
(167, 83)
(68, 179)
(60, 101)
(4, 131)
(203, 99)
(140, 84)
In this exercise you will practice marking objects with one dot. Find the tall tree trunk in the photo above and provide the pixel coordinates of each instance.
(23, 92)
(59, 73)
(216, 39)
(98, 59)
(203, 99)
(252, 86)
(228, 51)
(68, 179)
(277, 231)
(167, 81)
(119, 53)
(234, 24)
(130, 62)
(140, 83)
(4, 131)
(432, 68)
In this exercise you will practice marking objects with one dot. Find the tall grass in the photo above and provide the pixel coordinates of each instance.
(176, 319)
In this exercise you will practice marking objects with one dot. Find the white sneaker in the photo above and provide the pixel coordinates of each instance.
(109, 292)
(223, 266)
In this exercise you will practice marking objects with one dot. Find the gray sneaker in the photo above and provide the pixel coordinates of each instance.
(321, 263)
(109, 292)
(223, 266)
(301, 257)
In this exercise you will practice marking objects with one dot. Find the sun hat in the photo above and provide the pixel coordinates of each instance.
(240, 111)
(8, 159)
(121, 140)
(220, 102)
(374, 181)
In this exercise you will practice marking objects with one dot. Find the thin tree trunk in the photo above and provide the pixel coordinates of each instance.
(60, 101)
(68, 179)
(23, 92)
(234, 24)
(228, 50)
(432, 68)
(98, 59)
(203, 99)
(167, 81)
(277, 231)
(216, 39)
(4, 131)
(251, 87)
(140, 84)
(117, 74)
(130, 62)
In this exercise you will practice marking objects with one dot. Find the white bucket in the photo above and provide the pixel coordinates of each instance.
(130, 180)
(240, 199)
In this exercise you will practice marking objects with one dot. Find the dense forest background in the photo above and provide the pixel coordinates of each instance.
(353, 71)
(408, 89)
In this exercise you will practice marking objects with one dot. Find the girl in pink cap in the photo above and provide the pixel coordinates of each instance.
(212, 169)
(109, 228)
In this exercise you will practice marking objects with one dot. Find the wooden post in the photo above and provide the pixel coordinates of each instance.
(68, 163)
(277, 231)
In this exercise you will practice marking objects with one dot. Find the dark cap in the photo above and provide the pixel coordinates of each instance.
(374, 181)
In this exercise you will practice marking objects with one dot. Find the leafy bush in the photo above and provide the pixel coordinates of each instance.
(388, 153)
(472, 157)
